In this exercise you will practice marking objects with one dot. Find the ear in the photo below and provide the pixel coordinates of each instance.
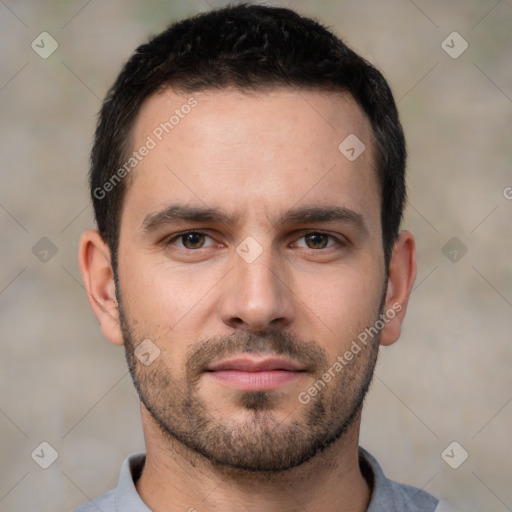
(95, 264)
(402, 273)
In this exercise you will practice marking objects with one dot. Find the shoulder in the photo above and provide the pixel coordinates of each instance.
(105, 503)
(124, 497)
(388, 495)
(412, 499)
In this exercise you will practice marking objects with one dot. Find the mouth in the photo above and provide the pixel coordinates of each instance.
(255, 374)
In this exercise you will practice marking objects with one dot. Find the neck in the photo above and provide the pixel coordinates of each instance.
(176, 479)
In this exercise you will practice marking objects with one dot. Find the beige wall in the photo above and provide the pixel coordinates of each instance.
(448, 379)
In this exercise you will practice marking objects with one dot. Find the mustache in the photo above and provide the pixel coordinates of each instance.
(273, 342)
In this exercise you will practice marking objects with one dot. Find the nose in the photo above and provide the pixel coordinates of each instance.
(256, 295)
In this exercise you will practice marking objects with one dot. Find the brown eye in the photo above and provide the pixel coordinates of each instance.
(192, 240)
(189, 242)
(316, 240)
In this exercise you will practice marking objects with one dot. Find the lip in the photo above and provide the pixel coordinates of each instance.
(248, 374)
(246, 364)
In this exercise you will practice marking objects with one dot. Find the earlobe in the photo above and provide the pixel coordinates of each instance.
(402, 273)
(95, 264)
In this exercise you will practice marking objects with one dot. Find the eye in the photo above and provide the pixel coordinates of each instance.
(189, 240)
(315, 240)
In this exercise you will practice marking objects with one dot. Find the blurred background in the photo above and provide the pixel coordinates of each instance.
(439, 414)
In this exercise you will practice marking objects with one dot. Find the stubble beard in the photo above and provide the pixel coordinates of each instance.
(262, 442)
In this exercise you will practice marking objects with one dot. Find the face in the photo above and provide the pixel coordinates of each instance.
(250, 256)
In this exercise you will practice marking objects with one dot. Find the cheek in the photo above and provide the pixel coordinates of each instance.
(340, 305)
(161, 300)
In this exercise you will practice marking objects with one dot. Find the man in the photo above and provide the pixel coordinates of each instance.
(247, 177)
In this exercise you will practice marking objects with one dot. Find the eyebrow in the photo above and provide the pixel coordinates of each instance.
(182, 213)
(306, 214)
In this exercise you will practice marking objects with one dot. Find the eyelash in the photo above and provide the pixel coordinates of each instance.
(169, 240)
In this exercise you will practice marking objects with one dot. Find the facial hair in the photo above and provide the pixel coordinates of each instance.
(261, 443)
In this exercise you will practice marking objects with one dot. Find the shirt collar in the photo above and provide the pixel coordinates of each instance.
(126, 497)
(386, 494)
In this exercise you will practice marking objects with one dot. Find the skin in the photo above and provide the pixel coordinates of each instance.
(254, 156)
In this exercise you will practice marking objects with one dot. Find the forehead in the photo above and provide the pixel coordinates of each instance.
(252, 153)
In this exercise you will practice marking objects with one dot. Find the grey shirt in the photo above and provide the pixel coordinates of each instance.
(387, 495)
